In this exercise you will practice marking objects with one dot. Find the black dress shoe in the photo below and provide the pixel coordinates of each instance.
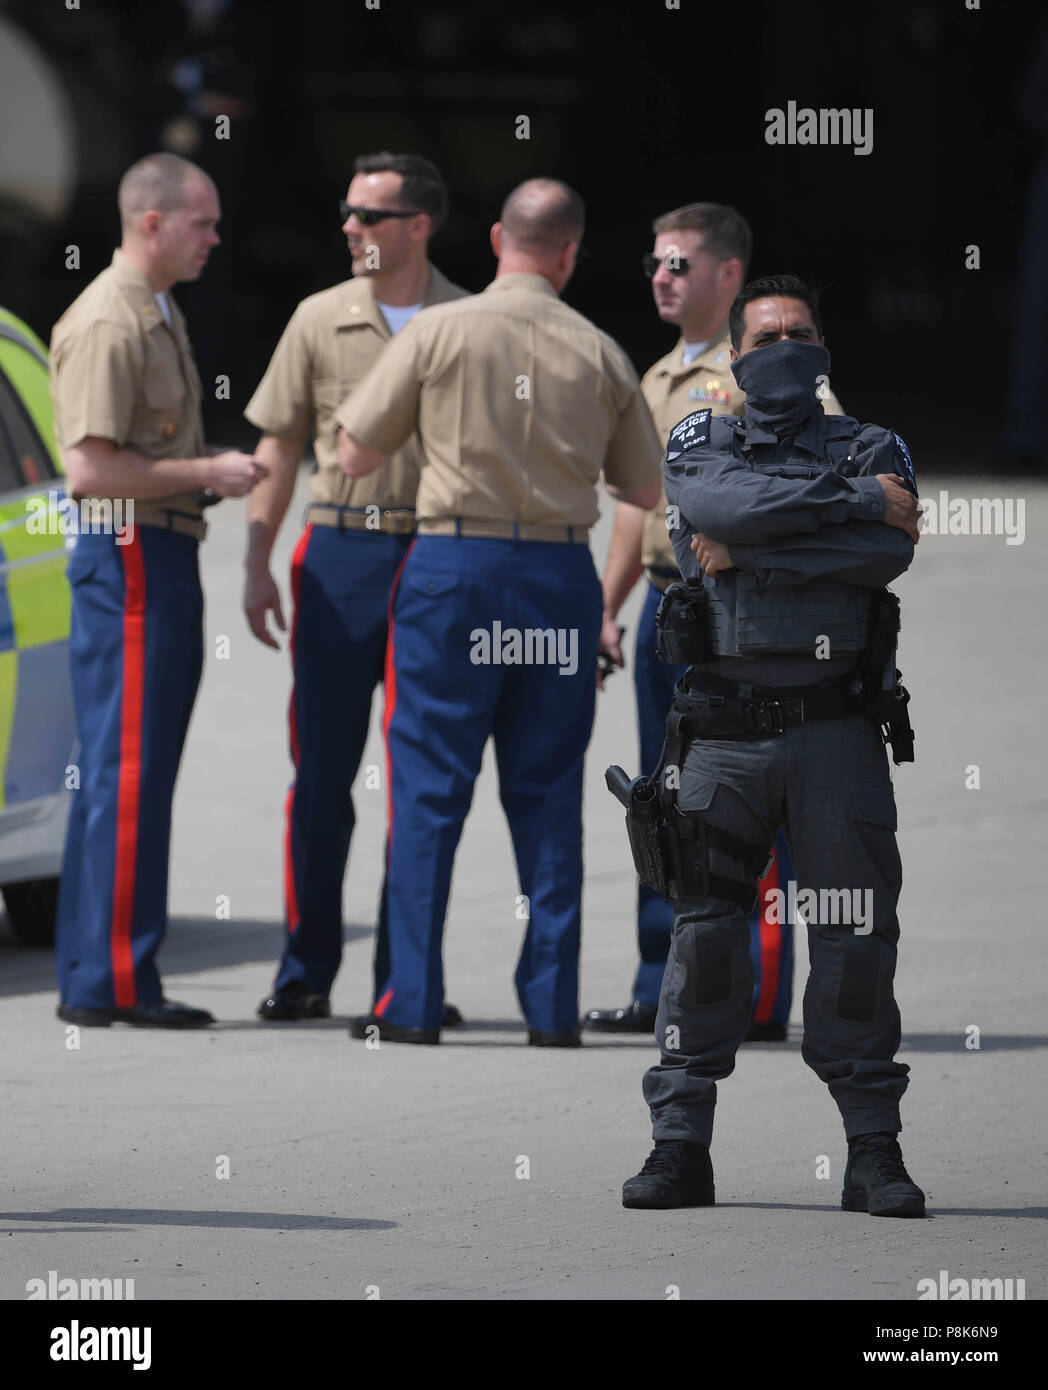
(538, 1038)
(876, 1180)
(391, 1032)
(451, 1017)
(767, 1032)
(637, 1018)
(294, 1002)
(156, 1013)
(677, 1173)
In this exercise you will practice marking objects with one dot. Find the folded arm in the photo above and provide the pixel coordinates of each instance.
(863, 553)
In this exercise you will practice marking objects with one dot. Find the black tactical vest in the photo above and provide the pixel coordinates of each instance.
(746, 620)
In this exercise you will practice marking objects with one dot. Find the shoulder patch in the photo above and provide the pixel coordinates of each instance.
(692, 431)
(907, 464)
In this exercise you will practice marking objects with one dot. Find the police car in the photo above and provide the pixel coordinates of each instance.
(37, 728)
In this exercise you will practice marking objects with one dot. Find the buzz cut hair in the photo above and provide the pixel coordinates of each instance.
(421, 184)
(771, 287)
(725, 233)
(155, 184)
(543, 215)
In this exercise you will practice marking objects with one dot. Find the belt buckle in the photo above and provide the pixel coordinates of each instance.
(765, 718)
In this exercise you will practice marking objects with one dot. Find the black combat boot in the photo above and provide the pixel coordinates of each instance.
(876, 1179)
(677, 1173)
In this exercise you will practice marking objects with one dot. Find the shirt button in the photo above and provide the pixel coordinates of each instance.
(431, 586)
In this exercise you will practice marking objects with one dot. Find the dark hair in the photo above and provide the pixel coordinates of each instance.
(421, 184)
(726, 233)
(782, 287)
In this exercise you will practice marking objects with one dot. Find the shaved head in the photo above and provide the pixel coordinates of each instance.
(156, 183)
(541, 216)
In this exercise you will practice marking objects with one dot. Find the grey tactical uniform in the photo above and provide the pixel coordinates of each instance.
(802, 521)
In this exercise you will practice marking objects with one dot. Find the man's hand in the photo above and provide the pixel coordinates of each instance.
(355, 459)
(611, 646)
(233, 474)
(713, 556)
(262, 597)
(901, 509)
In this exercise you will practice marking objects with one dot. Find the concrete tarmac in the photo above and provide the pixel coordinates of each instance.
(484, 1169)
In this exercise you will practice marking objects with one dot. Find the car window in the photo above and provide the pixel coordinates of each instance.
(24, 459)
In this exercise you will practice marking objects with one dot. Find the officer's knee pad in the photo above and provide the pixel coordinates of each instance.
(710, 955)
(867, 972)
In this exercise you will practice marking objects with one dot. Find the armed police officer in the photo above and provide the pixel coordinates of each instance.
(796, 521)
(697, 267)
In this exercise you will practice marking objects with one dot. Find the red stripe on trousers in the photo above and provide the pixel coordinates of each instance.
(129, 783)
(770, 946)
(389, 684)
(389, 693)
(383, 1004)
(290, 893)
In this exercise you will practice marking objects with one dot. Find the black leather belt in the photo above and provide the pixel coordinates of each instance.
(733, 709)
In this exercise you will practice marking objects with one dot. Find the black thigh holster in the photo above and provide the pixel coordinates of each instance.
(671, 847)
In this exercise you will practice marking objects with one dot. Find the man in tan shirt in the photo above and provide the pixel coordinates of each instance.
(521, 405)
(357, 532)
(696, 268)
(127, 417)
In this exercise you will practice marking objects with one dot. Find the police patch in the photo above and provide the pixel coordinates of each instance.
(908, 473)
(692, 430)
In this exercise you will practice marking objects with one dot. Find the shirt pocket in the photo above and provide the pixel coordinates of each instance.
(328, 395)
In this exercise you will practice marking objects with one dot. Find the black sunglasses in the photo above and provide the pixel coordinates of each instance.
(676, 265)
(369, 216)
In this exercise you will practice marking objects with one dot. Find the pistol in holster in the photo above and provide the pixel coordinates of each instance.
(885, 698)
(640, 797)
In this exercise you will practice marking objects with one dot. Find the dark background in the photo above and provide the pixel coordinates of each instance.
(642, 109)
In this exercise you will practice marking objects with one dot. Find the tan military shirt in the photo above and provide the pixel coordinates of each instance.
(330, 344)
(119, 371)
(519, 402)
(673, 391)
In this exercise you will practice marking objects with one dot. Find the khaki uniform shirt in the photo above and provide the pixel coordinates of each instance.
(519, 401)
(331, 342)
(119, 371)
(673, 391)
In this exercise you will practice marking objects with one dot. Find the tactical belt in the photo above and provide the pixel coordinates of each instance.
(166, 520)
(732, 709)
(505, 530)
(398, 521)
(661, 577)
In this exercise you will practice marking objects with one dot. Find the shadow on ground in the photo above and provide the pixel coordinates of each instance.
(192, 944)
(97, 1218)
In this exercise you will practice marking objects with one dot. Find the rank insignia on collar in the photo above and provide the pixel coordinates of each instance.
(167, 426)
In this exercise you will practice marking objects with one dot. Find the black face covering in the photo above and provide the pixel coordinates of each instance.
(780, 382)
